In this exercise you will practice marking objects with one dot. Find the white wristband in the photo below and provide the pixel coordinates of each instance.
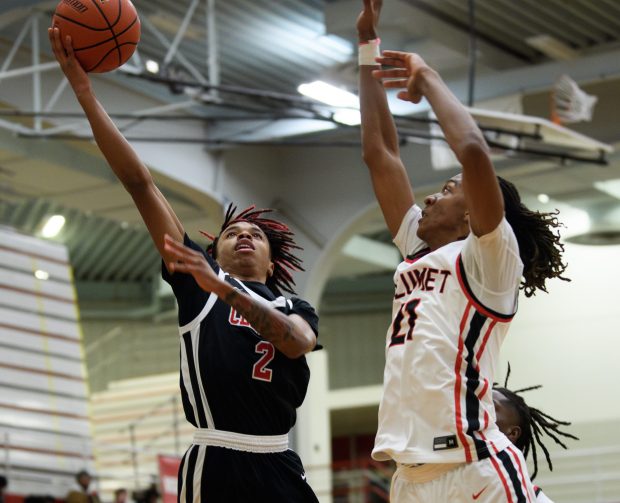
(368, 51)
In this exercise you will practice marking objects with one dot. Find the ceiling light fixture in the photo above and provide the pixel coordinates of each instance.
(42, 275)
(152, 66)
(552, 47)
(329, 94)
(53, 226)
(543, 198)
(350, 117)
(611, 187)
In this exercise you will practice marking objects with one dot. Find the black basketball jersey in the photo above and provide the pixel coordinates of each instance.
(231, 378)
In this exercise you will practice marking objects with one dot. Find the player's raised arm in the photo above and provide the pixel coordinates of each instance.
(482, 193)
(157, 214)
(379, 137)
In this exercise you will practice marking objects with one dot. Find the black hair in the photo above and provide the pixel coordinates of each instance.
(539, 246)
(281, 244)
(534, 423)
(80, 474)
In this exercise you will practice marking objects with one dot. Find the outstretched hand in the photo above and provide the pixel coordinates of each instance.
(406, 71)
(64, 54)
(188, 261)
(368, 20)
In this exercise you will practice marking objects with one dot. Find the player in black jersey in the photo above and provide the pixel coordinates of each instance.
(243, 373)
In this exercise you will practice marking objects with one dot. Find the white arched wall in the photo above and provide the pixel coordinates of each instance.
(367, 217)
(313, 428)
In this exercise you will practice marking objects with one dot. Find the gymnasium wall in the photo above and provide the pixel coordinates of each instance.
(45, 432)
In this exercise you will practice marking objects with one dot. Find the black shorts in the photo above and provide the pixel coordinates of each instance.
(211, 474)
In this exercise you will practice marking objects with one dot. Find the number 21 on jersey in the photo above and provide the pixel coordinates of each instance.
(404, 323)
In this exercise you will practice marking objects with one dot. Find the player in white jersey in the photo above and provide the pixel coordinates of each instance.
(456, 292)
(524, 426)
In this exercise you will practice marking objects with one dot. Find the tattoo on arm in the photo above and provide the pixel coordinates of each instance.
(271, 324)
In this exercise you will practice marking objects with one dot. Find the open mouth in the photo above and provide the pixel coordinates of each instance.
(244, 245)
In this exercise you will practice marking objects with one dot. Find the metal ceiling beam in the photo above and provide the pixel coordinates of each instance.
(194, 72)
(213, 62)
(149, 266)
(437, 13)
(55, 152)
(134, 257)
(102, 265)
(90, 262)
(88, 246)
(174, 46)
(36, 76)
(14, 48)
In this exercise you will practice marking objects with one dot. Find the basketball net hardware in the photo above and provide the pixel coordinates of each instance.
(569, 103)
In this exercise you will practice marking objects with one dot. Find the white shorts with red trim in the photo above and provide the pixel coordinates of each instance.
(500, 478)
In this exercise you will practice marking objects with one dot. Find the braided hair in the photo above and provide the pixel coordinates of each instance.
(539, 246)
(281, 244)
(533, 423)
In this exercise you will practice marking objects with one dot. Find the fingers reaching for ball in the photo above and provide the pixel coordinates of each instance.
(64, 54)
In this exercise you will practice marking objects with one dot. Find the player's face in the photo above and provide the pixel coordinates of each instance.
(505, 417)
(444, 217)
(243, 250)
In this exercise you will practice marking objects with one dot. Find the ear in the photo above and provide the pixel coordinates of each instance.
(270, 269)
(514, 432)
(466, 217)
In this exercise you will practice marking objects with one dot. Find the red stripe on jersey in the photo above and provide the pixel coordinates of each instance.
(486, 420)
(484, 390)
(516, 458)
(479, 307)
(503, 479)
(485, 439)
(457, 387)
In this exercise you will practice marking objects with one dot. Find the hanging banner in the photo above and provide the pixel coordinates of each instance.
(168, 471)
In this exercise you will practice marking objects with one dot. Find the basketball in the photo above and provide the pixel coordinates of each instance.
(104, 33)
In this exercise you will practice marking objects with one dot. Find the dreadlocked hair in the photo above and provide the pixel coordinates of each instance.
(539, 246)
(534, 423)
(281, 244)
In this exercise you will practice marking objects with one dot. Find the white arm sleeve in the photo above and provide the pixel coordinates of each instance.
(406, 238)
(493, 267)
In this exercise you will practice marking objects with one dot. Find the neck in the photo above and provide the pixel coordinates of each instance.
(248, 276)
(440, 241)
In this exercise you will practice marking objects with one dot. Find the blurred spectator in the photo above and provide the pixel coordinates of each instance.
(120, 496)
(150, 495)
(3, 484)
(39, 499)
(81, 494)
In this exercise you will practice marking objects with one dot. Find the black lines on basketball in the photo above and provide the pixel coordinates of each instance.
(104, 34)
(75, 21)
(113, 37)
(111, 28)
(117, 48)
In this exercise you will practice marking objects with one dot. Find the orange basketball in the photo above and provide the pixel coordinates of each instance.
(105, 33)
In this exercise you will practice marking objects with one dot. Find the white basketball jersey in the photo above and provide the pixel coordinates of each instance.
(443, 345)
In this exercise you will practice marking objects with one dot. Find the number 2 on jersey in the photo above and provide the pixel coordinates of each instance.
(408, 309)
(260, 370)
